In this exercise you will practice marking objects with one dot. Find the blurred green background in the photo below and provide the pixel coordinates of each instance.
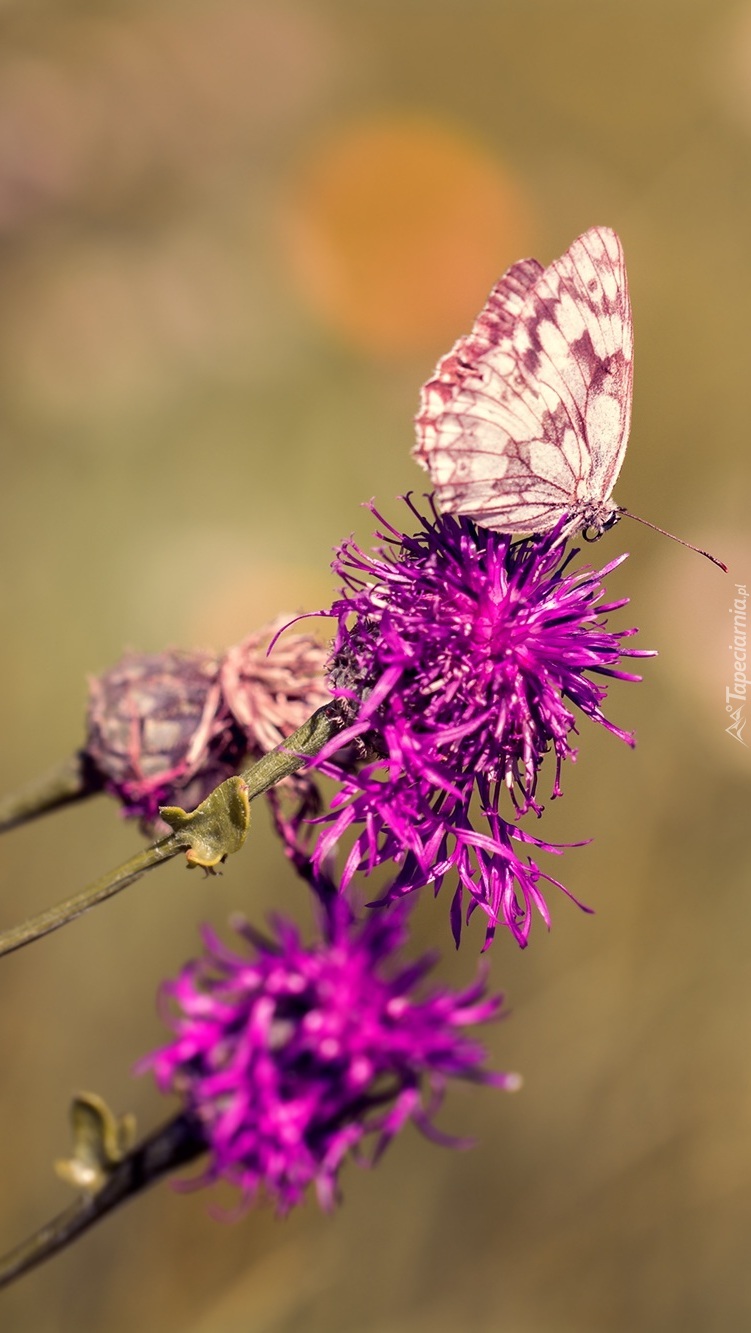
(234, 238)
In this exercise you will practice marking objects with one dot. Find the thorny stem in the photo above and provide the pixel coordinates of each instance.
(287, 758)
(176, 1143)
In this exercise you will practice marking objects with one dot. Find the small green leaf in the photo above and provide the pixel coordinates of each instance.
(216, 828)
(100, 1142)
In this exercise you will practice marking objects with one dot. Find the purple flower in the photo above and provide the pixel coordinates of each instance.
(294, 1057)
(464, 655)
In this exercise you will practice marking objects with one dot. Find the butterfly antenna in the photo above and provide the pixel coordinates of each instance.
(646, 523)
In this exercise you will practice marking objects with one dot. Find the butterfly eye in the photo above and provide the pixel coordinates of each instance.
(594, 531)
(611, 521)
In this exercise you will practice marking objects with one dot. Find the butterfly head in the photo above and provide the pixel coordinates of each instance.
(595, 517)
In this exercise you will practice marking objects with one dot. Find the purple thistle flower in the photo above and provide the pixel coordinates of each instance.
(294, 1057)
(463, 654)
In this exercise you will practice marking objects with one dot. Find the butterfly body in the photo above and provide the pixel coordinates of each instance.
(525, 422)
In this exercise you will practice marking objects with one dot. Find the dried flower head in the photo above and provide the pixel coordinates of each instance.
(294, 1057)
(272, 682)
(464, 655)
(165, 729)
(272, 690)
(159, 732)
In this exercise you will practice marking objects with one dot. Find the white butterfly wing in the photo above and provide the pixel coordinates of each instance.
(527, 418)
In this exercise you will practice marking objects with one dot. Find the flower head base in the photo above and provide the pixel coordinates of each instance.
(295, 1057)
(159, 732)
(465, 660)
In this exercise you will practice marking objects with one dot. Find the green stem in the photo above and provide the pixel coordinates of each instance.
(36, 927)
(175, 1144)
(214, 830)
(294, 753)
(69, 782)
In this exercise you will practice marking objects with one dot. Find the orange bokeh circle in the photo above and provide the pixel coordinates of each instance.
(396, 228)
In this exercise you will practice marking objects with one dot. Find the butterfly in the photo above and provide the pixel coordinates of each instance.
(524, 424)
